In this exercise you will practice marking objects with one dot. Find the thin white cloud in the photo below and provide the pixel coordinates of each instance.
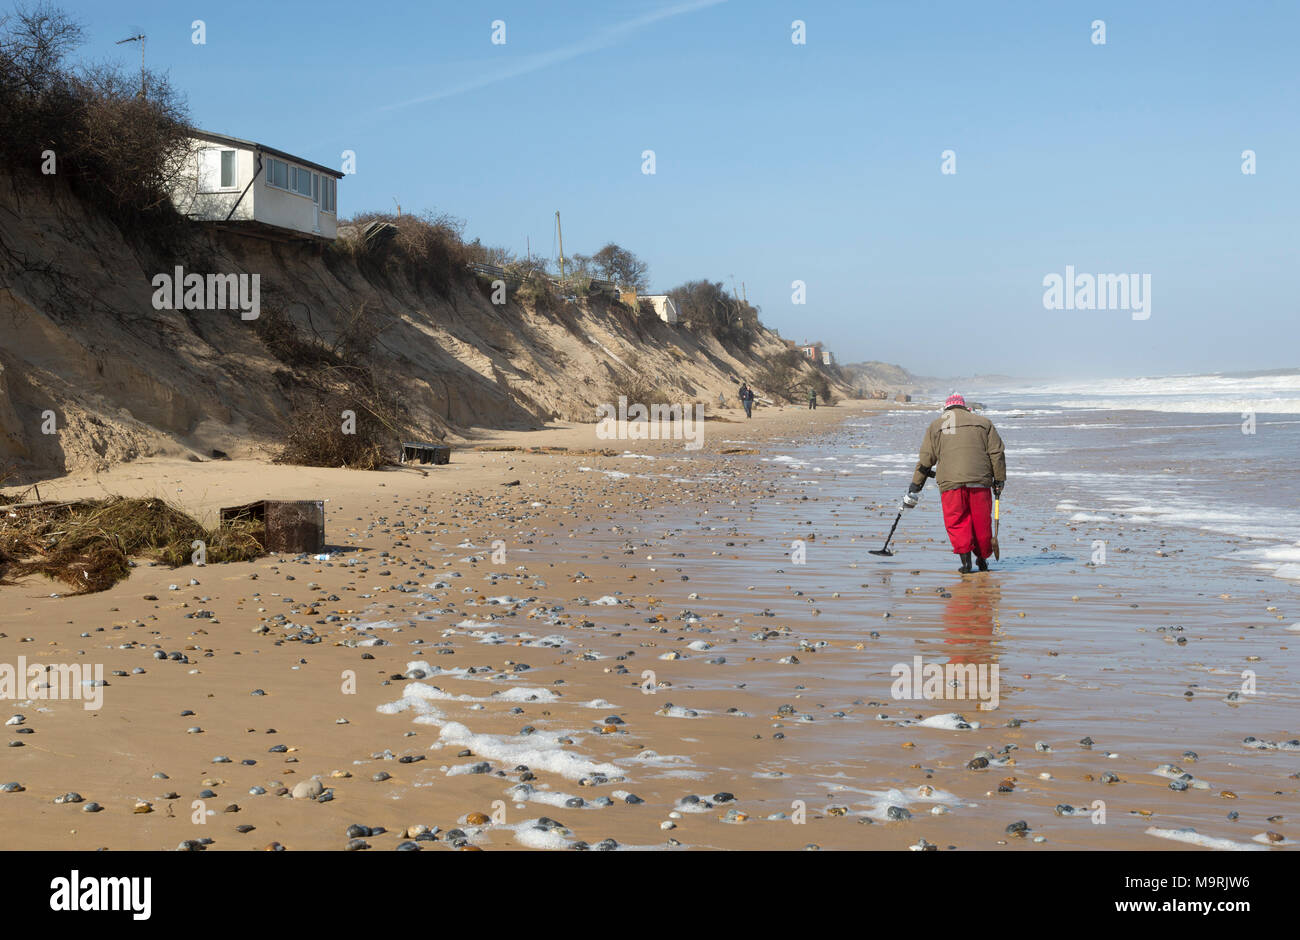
(601, 40)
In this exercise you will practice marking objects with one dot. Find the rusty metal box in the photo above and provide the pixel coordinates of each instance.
(292, 526)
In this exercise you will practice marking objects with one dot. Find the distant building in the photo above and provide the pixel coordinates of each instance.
(243, 183)
(812, 350)
(664, 307)
(827, 358)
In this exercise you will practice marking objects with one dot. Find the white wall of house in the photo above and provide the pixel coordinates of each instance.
(664, 306)
(217, 174)
(286, 206)
(201, 196)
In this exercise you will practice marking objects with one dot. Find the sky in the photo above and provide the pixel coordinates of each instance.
(818, 162)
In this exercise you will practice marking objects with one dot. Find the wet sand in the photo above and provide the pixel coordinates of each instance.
(615, 567)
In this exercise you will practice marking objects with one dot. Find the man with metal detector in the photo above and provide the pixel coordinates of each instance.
(968, 462)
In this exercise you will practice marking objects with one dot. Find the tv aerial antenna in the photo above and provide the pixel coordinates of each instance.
(140, 38)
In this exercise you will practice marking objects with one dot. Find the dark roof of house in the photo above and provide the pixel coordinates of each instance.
(253, 145)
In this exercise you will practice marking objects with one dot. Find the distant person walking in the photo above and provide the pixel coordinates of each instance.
(812, 398)
(747, 399)
(968, 461)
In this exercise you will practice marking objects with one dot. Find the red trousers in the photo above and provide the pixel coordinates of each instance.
(967, 514)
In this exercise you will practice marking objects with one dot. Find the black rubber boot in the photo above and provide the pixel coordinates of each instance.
(965, 563)
(981, 563)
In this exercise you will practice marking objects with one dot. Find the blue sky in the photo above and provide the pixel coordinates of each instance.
(820, 162)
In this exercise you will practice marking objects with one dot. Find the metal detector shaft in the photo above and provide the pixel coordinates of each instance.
(885, 549)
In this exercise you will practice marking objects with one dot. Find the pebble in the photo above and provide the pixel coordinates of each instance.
(308, 790)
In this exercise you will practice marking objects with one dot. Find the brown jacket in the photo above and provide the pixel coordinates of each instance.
(966, 448)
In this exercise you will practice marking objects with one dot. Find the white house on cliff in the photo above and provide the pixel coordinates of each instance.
(243, 183)
(663, 306)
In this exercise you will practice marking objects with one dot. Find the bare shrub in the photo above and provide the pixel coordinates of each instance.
(121, 148)
(537, 291)
(330, 378)
(315, 434)
(781, 375)
(287, 343)
(428, 248)
(707, 307)
(637, 385)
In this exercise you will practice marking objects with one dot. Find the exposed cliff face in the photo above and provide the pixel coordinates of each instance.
(882, 377)
(81, 338)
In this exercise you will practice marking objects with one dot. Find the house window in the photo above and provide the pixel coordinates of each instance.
(316, 187)
(217, 170)
(277, 173)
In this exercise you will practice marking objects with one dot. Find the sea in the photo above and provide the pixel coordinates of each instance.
(1142, 614)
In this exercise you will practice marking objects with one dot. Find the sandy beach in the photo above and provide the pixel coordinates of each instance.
(623, 648)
